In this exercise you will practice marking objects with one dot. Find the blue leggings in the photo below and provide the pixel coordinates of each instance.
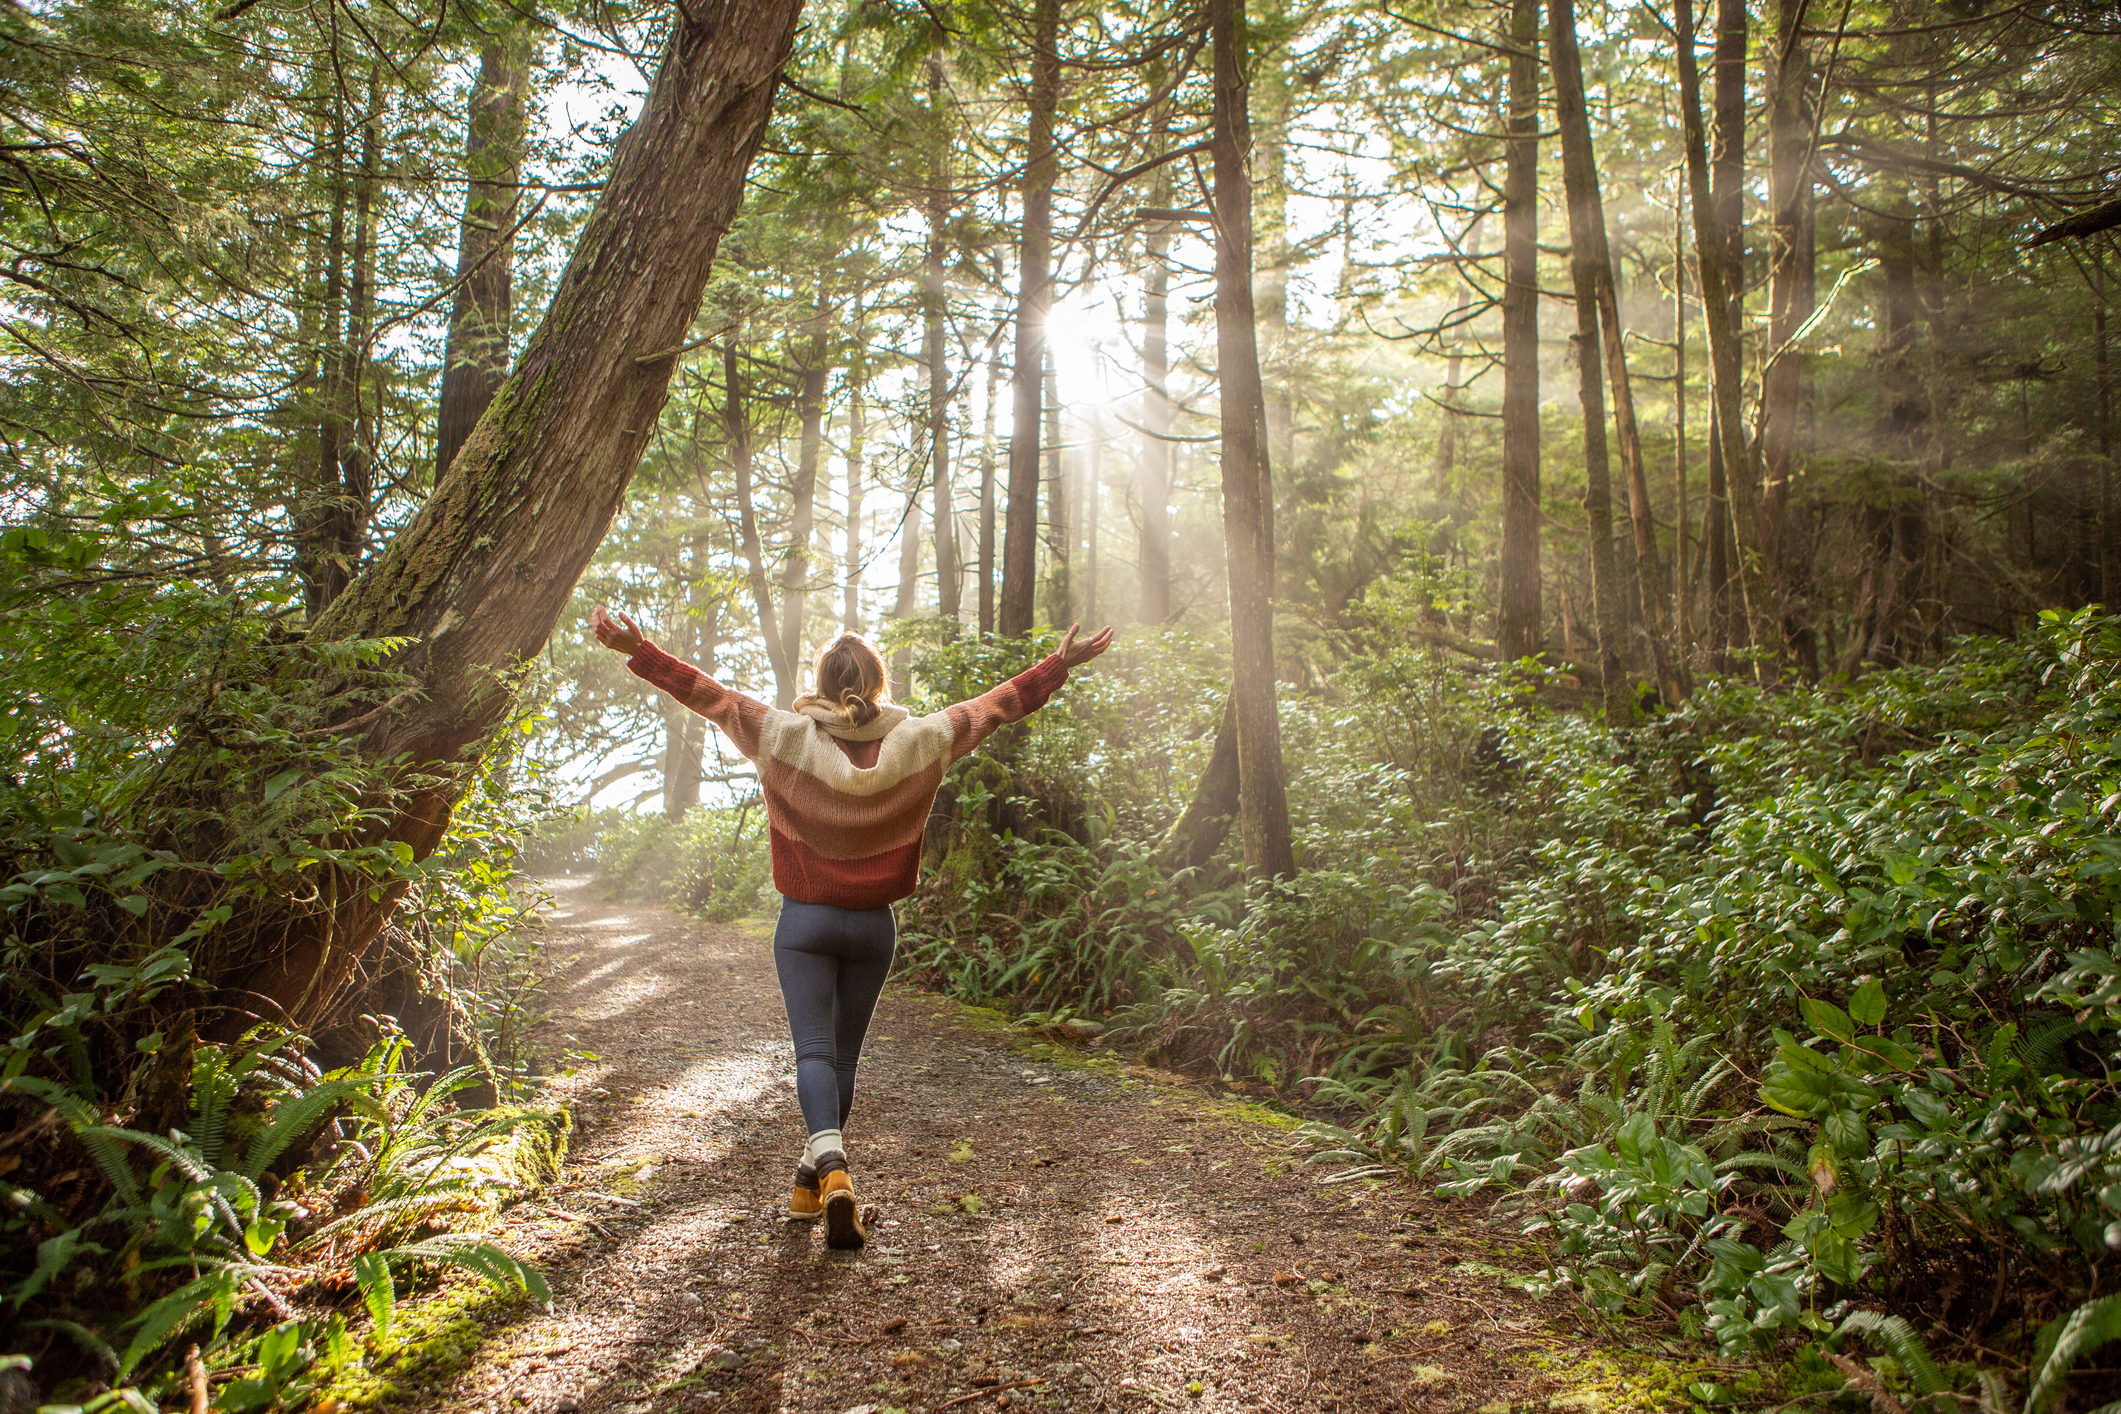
(832, 964)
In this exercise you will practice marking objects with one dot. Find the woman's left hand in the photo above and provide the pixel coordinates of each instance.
(616, 631)
(1074, 655)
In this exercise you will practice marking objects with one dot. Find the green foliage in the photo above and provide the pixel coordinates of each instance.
(1780, 1002)
(713, 863)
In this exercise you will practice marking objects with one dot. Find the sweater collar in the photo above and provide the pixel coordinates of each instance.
(888, 715)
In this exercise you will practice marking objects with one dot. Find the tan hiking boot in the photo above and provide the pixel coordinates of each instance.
(805, 1204)
(843, 1216)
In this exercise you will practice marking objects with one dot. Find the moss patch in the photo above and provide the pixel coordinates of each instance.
(1631, 1382)
(431, 1342)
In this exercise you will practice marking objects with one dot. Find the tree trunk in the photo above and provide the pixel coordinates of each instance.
(481, 575)
(1060, 529)
(934, 295)
(1204, 826)
(356, 498)
(1154, 488)
(986, 497)
(1270, 105)
(1725, 356)
(1598, 495)
(851, 609)
(1093, 479)
(909, 575)
(323, 577)
(1592, 254)
(1682, 577)
(795, 574)
(475, 355)
(1454, 368)
(1791, 284)
(736, 431)
(1518, 631)
(1247, 477)
(1041, 168)
(681, 738)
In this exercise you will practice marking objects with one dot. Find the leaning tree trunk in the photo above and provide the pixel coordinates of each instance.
(1034, 272)
(1579, 171)
(1247, 477)
(475, 357)
(1518, 631)
(480, 577)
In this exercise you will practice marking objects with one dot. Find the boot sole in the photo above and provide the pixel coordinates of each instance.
(843, 1226)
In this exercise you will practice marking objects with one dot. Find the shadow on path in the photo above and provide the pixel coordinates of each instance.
(1118, 1237)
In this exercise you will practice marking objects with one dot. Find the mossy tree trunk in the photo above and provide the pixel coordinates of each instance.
(480, 577)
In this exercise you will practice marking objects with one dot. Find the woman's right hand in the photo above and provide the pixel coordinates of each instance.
(616, 631)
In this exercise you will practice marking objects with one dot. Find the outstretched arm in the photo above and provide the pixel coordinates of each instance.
(738, 716)
(974, 721)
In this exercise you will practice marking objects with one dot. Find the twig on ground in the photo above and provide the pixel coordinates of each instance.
(983, 1393)
(590, 1223)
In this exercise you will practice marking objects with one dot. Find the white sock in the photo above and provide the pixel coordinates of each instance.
(825, 1141)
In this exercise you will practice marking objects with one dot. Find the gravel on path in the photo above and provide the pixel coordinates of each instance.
(1048, 1235)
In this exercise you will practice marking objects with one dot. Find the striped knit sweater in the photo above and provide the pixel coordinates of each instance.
(846, 817)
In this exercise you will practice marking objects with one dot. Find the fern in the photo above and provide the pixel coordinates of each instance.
(2084, 1330)
(1901, 1342)
(293, 1118)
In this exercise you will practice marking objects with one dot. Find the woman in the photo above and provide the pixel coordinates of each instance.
(849, 778)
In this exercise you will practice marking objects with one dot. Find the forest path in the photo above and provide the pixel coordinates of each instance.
(1119, 1237)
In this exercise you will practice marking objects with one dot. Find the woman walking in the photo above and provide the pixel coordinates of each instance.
(849, 777)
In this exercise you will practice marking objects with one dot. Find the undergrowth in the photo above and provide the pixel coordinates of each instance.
(1788, 1019)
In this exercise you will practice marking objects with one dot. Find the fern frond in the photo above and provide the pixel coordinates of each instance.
(1900, 1340)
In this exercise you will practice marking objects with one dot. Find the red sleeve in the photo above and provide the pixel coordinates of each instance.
(739, 717)
(974, 721)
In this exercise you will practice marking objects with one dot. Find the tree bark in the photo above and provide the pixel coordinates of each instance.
(795, 572)
(1791, 280)
(1060, 528)
(1725, 356)
(475, 354)
(1247, 477)
(909, 574)
(1154, 488)
(1093, 478)
(851, 608)
(1587, 238)
(481, 575)
(934, 301)
(1201, 830)
(736, 432)
(1454, 368)
(1041, 169)
(1519, 632)
(323, 577)
(682, 738)
(986, 497)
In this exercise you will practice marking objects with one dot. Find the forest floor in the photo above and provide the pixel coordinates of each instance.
(1052, 1231)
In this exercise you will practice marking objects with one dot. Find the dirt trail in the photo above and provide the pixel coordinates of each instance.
(1123, 1239)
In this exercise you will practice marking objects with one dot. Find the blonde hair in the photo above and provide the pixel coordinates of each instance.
(850, 680)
